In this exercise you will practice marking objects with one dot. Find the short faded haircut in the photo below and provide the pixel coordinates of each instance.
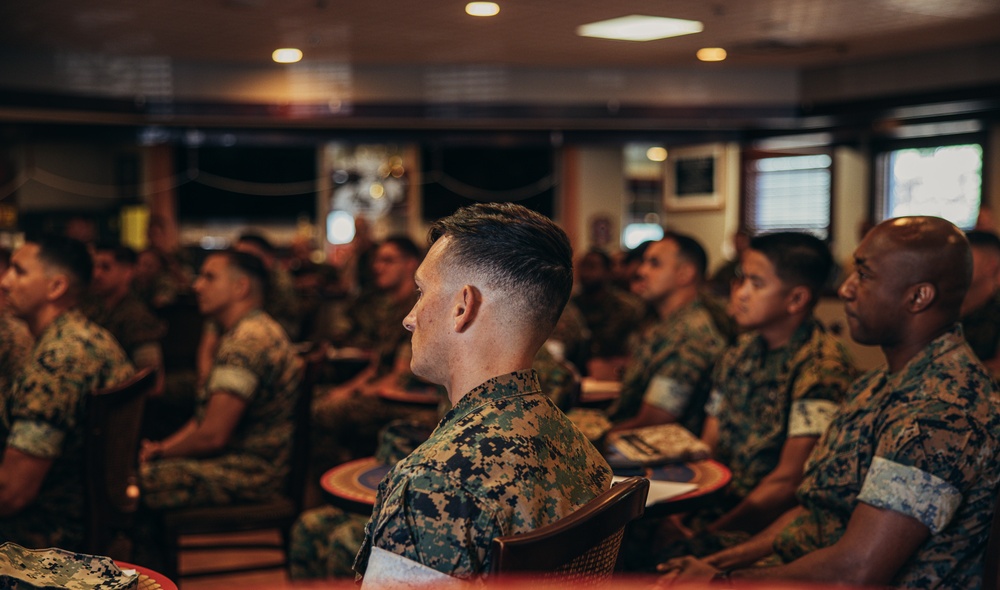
(798, 259)
(515, 250)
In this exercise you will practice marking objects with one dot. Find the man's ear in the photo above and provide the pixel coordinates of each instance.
(686, 272)
(919, 297)
(798, 299)
(466, 307)
(58, 286)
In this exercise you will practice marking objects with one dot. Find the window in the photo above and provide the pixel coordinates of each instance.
(942, 180)
(787, 193)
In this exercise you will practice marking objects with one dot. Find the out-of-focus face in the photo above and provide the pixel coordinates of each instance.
(392, 268)
(215, 286)
(985, 278)
(429, 319)
(147, 267)
(110, 276)
(27, 282)
(761, 298)
(591, 271)
(658, 276)
(874, 293)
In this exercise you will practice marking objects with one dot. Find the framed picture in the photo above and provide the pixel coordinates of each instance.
(694, 179)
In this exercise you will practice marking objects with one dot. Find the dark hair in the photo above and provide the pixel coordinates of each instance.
(600, 255)
(690, 250)
(4, 256)
(68, 255)
(406, 247)
(121, 254)
(249, 265)
(518, 251)
(798, 259)
(257, 240)
(983, 239)
(636, 254)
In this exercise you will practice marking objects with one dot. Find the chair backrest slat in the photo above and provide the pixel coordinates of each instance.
(580, 548)
(111, 459)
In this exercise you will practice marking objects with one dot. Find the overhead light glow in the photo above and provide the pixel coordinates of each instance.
(656, 154)
(287, 55)
(637, 27)
(711, 54)
(482, 9)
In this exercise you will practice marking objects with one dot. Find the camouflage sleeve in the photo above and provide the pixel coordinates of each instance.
(923, 460)
(692, 358)
(238, 364)
(43, 405)
(821, 379)
(439, 525)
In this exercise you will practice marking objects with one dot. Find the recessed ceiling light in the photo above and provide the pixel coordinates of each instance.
(636, 27)
(482, 8)
(656, 154)
(711, 54)
(286, 55)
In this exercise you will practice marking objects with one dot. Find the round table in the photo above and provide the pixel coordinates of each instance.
(353, 485)
(148, 579)
(710, 476)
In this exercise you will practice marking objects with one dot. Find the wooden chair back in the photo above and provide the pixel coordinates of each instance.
(582, 548)
(111, 460)
(991, 560)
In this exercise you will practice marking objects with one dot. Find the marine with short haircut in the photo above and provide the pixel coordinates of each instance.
(42, 419)
(505, 459)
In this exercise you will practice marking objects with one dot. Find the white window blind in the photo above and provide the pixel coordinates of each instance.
(789, 193)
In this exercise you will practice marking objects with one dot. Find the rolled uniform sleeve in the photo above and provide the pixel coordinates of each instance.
(668, 394)
(438, 524)
(920, 466)
(237, 368)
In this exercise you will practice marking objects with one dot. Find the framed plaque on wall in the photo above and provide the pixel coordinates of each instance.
(694, 178)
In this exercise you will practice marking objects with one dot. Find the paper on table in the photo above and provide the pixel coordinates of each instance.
(662, 490)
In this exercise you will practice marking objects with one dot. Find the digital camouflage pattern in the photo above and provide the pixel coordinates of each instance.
(282, 303)
(16, 343)
(325, 542)
(43, 417)
(322, 538)
(762, 397)
(611, 316)
(923, 442)
(132, 323)
(982, 328)
(504, 460)
(671, 366)
(256, 362)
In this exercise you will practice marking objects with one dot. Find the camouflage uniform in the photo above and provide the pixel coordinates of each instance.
(255, 361)
(611, 315)
(43, 417)
(325, 542)
(923, 442)
(134, 326)
(982, 328)
(15, 346)
(761, 398)
(282, 303)
(504, 460)
(671, 366)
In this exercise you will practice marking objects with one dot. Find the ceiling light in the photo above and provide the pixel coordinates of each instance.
(482, 8)
(656, 154)
(636, 27)
(287, 55)
(711, 54)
